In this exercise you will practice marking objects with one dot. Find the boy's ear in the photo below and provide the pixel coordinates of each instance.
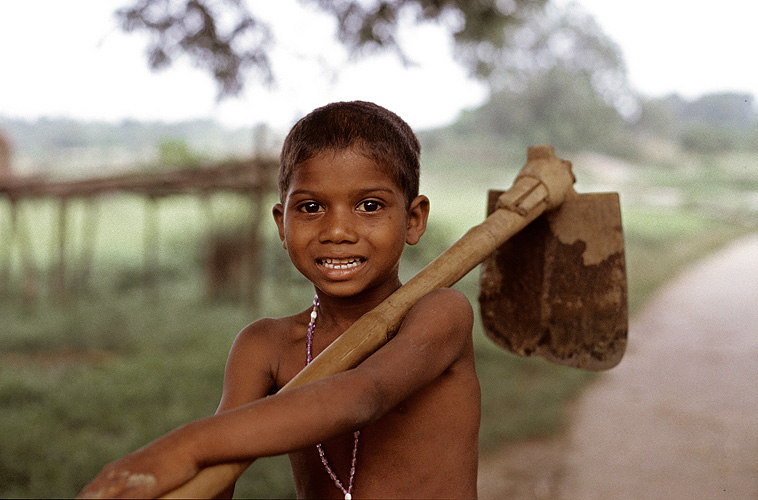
(417, 216)
(278, 213)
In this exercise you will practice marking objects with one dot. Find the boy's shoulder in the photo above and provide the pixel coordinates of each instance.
(446, 297)
(259, 361)
(271, 332)
(445, 305)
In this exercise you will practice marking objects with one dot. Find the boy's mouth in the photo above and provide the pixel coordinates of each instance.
(347, 263)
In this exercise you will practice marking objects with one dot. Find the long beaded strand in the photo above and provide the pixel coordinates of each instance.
(308, 358)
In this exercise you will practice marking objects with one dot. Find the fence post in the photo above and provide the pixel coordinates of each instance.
(60, 288)
(151, 247)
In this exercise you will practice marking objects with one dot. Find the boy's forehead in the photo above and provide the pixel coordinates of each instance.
(342, 166)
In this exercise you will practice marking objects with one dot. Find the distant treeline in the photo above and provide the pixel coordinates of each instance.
(712, 123)
(561, 110)
(50, 135)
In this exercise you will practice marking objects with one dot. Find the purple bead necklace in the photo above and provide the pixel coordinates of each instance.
(308, 358)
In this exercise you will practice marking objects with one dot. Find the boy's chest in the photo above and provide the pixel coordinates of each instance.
(290, 364)
(291, 359)
(292, 356)
(404, 454)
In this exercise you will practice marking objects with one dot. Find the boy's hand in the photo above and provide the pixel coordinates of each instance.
(146, 473)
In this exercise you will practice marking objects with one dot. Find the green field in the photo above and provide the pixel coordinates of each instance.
(84, 383)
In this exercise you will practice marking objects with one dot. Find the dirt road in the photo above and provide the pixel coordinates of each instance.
(677, 419)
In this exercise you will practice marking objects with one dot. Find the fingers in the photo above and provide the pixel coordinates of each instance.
(112, 483)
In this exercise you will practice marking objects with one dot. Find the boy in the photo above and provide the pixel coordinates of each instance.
(404, 423)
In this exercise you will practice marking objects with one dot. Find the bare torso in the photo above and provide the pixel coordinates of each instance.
(426, 447)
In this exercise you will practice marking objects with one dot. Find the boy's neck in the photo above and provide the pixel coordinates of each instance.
(341, 312)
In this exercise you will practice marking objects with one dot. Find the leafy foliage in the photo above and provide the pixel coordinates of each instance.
(374, 24)
(560, 108)
(565, 37)
(225, 38)
(198, 28)
(557, 79)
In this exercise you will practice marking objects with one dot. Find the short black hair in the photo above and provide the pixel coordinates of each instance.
(378, 133)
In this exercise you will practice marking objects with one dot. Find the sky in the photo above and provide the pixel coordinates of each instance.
(69, 59)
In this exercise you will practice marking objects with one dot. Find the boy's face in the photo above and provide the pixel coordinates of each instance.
(344, 223)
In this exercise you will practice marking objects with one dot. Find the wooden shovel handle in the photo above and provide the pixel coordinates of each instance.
(543, 184)
(210, 482)
(379, 325)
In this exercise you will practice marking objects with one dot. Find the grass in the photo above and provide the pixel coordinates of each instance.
(82, 400)
(83, 384)
(675, 238)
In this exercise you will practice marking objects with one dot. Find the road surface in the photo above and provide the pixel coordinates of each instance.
(677, 419)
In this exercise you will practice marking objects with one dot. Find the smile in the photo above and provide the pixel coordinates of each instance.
(341, 264)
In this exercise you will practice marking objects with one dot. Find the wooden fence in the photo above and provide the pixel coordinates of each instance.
(251, 178)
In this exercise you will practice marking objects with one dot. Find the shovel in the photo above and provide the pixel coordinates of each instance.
(557, 288)
(552, 285)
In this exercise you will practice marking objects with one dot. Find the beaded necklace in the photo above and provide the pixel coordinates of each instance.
(308, 358)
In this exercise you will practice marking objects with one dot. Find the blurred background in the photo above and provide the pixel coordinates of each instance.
(138, 147)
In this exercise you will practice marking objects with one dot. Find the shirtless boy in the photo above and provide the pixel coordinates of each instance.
(348, 185)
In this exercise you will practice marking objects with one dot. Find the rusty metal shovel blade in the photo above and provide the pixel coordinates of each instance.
(557, 289)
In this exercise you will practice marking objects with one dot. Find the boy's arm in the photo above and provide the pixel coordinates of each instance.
(247, 377)
(435, 333)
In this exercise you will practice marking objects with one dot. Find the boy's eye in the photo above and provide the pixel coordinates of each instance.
(310, 207)
(369, 206)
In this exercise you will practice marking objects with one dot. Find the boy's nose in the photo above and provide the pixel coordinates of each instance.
(339, 227)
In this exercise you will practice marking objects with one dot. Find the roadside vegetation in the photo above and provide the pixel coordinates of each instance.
(86, 382)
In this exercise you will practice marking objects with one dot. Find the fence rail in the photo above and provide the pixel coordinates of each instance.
(251, 177)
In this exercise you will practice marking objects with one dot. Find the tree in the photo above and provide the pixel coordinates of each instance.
(560, 37)
(225, 38)
(559, 80)
(559, 107)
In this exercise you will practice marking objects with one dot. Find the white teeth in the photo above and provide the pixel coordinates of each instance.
(330, 263)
